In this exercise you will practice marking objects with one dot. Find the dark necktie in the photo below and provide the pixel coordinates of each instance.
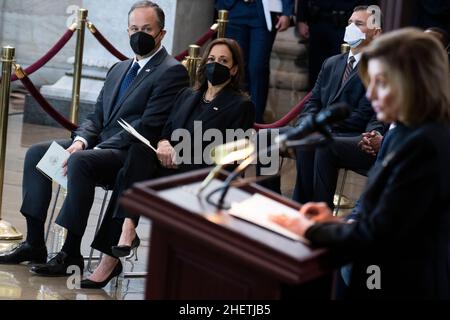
(385, 144)
(132, 73)
(348, 69)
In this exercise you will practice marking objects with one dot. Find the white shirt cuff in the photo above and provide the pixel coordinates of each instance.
(78, 138)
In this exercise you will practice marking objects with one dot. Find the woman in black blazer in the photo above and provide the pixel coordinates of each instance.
(216, 103)
(400, 248)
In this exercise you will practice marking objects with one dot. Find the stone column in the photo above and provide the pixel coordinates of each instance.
(33, 27)
(288, 75)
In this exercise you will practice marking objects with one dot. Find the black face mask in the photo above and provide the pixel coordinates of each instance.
(217, 73)
(142, 43)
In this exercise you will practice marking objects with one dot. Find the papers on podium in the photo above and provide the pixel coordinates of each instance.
(128, 128)
(257, 210)
(51, 164)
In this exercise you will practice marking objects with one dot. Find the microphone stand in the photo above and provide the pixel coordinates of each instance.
(282, 145)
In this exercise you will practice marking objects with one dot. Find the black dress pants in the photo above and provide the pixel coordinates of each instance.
(141, 164)
(317, 169)
(86, 169)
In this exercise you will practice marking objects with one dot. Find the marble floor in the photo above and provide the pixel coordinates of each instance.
(16, 282)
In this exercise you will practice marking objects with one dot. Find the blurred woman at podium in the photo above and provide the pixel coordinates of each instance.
(216, 102)
(400, 247)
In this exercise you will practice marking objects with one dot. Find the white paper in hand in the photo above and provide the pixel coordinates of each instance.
(271, 6)
(128, 128)
(51, 164)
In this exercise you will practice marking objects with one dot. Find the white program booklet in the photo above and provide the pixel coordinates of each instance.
(51, 164)
(129, 128)
(258, 208)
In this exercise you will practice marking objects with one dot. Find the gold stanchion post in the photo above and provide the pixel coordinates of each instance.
(192, 62)
(345, 48)
(78, 65)
(222, 22)
(7, 231)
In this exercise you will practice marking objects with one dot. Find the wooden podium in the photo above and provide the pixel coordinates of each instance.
(197, 252)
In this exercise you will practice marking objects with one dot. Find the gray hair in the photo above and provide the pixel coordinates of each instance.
(149, 4)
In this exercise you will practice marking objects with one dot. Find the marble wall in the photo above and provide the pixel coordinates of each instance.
(193, 19)
(33, 26)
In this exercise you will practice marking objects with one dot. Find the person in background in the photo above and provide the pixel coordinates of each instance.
(373, 142)
(443, 36)
(141, 91)
(404, 227)
(216, 102)
(339, 82)
(430, 13)
(321, 23)
(254, 26)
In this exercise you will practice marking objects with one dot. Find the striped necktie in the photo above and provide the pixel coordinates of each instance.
(348, 69)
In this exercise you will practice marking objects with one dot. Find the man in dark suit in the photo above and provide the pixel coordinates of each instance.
(141, 91)
(256, 34)
(230, 110)
(338, 81)
(322, 23)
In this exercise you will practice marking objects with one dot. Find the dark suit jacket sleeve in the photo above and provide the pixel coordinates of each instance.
(243, 116)
(359, 117)
(92, 126)
(314, 104)
(179, 99)
(288, 7)
(158, 106)
(247, 115)
(375, 125)
(402, 207)
(302, 11)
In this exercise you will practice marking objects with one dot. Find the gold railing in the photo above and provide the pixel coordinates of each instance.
(7, 231)
(192, 62)
(222, 22)
(78, 65)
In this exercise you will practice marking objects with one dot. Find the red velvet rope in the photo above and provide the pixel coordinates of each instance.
(108, 46)
(200, 42)
(295, 111)
(48, 56)
(46, 106)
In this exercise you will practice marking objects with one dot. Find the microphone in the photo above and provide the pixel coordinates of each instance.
(317, 123)
(313, 123)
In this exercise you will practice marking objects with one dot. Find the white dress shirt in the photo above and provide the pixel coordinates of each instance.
(356, 56)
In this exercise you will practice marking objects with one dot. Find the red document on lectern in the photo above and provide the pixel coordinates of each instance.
(258, 208)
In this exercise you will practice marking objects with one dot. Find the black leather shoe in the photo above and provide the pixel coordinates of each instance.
(57, 266)
(25, 252)
(89, 284)
(124, 251)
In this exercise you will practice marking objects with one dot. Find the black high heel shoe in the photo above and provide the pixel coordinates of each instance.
(125, 251)
(89, 284)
